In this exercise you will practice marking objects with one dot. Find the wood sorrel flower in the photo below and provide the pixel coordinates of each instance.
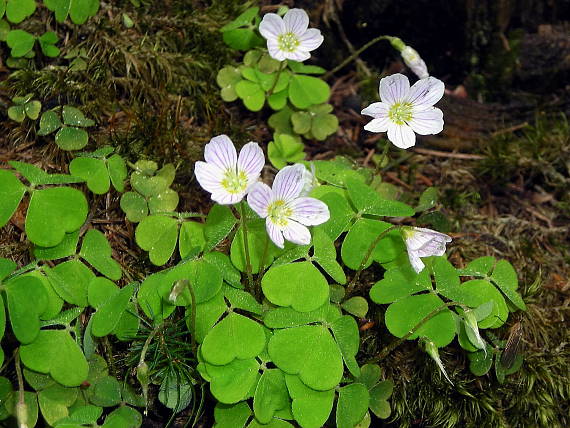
(289, 37)
(227, 177)
(285, 210)
(413, 60)
(404, 110)
(421, 242)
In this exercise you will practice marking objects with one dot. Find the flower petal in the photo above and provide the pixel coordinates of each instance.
(298, 55)
(416, 262)
(271, 26)
(297, 233)
(426, 92)
(296, 21)
(376, 110)
(274, 51)
(209, 176)
(394, 88)
(225, 198)
(274, 233)
(401, 135)
(288, 182)
(259, 198)
(220, 151)
(427, 122)
(251, 161)
(309, 211)
(378, 125)
(311, 40)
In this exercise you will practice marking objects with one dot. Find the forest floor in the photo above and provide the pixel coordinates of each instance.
(503, 190)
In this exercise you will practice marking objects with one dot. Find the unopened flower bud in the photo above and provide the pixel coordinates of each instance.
(22, 414)
(433, 352)
(413, 60)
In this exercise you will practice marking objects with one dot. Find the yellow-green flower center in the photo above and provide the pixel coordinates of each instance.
(234, 182)
(279, 213)
(288, 42)
(400, 113)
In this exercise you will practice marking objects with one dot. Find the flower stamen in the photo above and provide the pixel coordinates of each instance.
(288, 42)
(234, 182)
(279, 213)
(400, 113)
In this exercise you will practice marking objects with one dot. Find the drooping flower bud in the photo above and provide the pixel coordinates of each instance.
(413, 60)
(433, 352)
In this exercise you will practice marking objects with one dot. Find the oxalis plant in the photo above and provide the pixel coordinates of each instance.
(261, 302)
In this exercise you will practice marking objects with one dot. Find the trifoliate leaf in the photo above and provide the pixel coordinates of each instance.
(231, 415)
(251, 94)
(270, 395)
(345, 331)
(54, 212)
(71, 280)
(158, 235)
(134, 206)
(71, 138)
(11, 193)
(352, 405)
(310, 352)
(298, 285)
(310, 408)
(109, 314)
(49, 123)
(233, 382)
(93, 171)
(305, 91)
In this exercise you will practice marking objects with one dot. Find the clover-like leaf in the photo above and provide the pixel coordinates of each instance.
(72, 116)
(480, 362)
(345, 331)
(17, 113)
(18, 10)
(78, 11)
(109, 314)
(305, 91)
(158, 235)
(233, 382)
(285, 149)
(357, 306)
(256, 237)
(11, 193)
(105, 392)
(440, 328)
(379, 395)
(398, 283)
(251, 94)
(298, 285)
(96, 251)
(234, 337)
(219, 224)
(231, 415)
(71, 138)
(227, 78)
(93, 171)
(54, 402)
(47, 44)
(20, 42)
(56, 353)
(270, 395)
(165, 201)
(134, 206)
(362, 235)
(367, 201)
(281, 317)
(37, 176)
(352, 405)
(71, 281)
(117, 172)
(505, 277)
(324, 254)
(310, 408)
(310, 352)
(54, 212)
(26, 299)
(49, 122)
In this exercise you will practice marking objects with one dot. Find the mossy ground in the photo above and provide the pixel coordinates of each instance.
(152, 91)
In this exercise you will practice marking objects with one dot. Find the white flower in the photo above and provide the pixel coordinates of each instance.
(413, 60)
(227, 177)
(309, 180)
(286, 212)
(404, 110)
(289, 37)
(421, 242)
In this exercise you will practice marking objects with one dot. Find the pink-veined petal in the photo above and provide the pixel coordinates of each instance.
(259, 198)
(311, 40)
(274, 233)
(220, 151)
(401, 135)
(394, 88)
(426, 92)
(427, 122)
(251, 161)
(298, 54)
(274, 51)
(209, 176)
(416, 262)
(297, 233)
(296, 21)
(223, 197)
(271, 26)
(378, 125)
(435, 247)
(309, 211)
(288, 182)
(376, 110)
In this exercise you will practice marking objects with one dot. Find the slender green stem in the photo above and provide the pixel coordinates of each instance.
(262, 267)
(21, 411)
(384, 352)
(148, 341)
(350, 287)
(193, 319)
(246, 248)
(281, 68)
(355, 55)
(383, 157)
